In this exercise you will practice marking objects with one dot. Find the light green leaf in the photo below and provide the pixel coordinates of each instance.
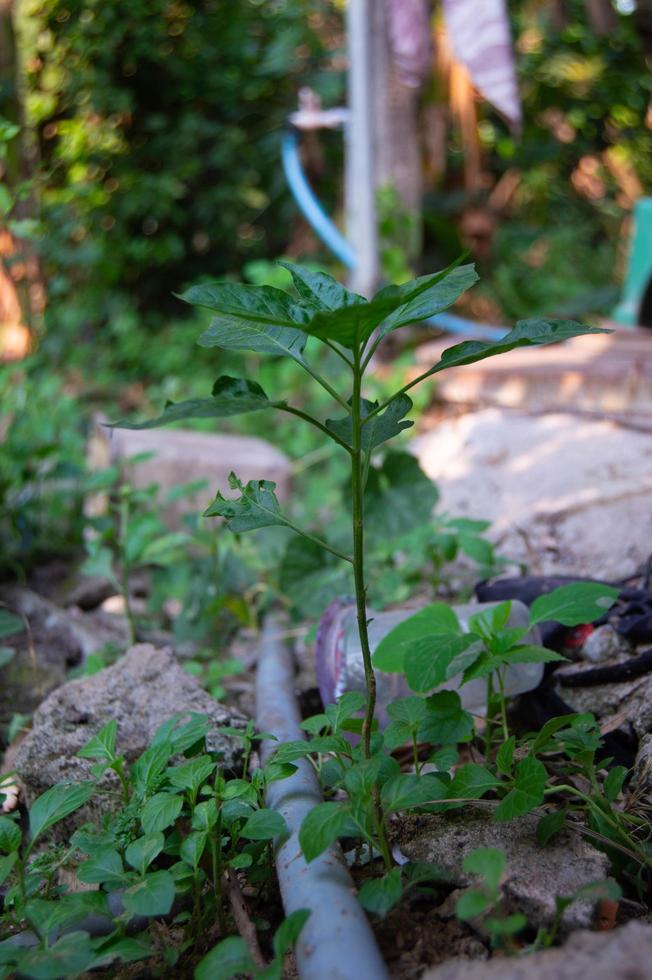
(56, 804)
(264, 825)
(7, 654)
(446, 721)
(321, 828)
(67, 957)
(426, 297)
(505, 756)
(10, 624)
(230, 958)
(152, 895)
(437, 618)
(489, 862)
(471, 782)
(102, 745)
(427, 660)
(398, 497)
(149, 766)
(204, 816)
(380, 895)
(473, 902)
(141, 852)
(573, 605)
(191, 774)
(104, 867)
(613, 784)
(529, 653)
(192, 848)
(289, 931)
(230, 396)
(407, 790)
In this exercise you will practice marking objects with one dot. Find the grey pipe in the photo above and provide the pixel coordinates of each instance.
(337, 942)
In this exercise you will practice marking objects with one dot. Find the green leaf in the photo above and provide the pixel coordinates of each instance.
(10, 624)
(321, 828)
(289, 931)
(7, 654)
(526, 333)
(141, 852)
(438, 618)
(380, 895)
(230, 396)
(230, 958)
(398, 497)
(613, 783)
(361, 777)
(124, 949)
(149, 766)
(529, 653)
(104, 867)
(505, 756)
(409, 711)
(264, 825)
(381, 427)
(345, 708)
(71, 955)
(320, 290)
(489, 862)
(256, 507)
(506, 925)
(446, 721)
(311, 577)
(471, 782)
(550, 825)
(56, 804)
(257, 318)
(6, 865)
(152, 895)
(204, 816)
(472, 903)
(192, 848)
(191, 774)
(407, 790)
(10, 835)
(160, 812)
(393, 307)
(427, 660)
(102, 745)
(527, 793)
(573, 605)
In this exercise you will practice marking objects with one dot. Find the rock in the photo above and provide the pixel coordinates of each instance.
(535, 875)
(604, 643)
(622, 954)
(142, 690)
(628, 701)
(183, 456)
(564, 494)
(641, 784)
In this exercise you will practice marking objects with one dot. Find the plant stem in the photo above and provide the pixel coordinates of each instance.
(503, 704)
(283, 407)
(357, 494)
(124, 532)
(324, 383)
(487, 734)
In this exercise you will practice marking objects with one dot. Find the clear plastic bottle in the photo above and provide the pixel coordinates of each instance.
(340, 667)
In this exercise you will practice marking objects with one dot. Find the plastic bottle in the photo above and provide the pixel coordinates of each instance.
(340, 667)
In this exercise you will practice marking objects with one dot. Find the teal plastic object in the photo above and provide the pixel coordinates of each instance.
(639, 270)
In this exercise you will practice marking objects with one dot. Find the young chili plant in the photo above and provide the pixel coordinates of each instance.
(270, 321)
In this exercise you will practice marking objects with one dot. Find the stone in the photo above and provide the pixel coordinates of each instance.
(141, 691)
(182, 456)
(603, 643)
(621, 954)
(534, 876)
(641, 785)
(565, 495)
(628, 701)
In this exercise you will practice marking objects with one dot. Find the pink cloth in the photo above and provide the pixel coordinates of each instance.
(481, 39)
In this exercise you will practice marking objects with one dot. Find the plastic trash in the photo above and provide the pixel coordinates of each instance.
(340, 667)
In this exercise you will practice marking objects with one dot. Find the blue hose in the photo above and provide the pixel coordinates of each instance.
(334, 240)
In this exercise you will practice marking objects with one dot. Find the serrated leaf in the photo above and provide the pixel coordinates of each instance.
(533, 332)
(381, 427)
(104, 867)
(407, 790)
(230, 396)
(191, 774)
(471, 782)
(344, 709)
(505, 756)
(574, 604)
(264, 825)
(70, 955)
(10, 835)
(380, 895)
(152, 895)
(409, 711)
(228, 959)
(427, 660)
(56, 804)
(322, 827)
(438, 618)
(550, 825)
(256, 507)
(527, 793)
(149, 766)
(530, 653)
(102, 745)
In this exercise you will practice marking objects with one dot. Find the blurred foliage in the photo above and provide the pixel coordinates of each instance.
(158, 126)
